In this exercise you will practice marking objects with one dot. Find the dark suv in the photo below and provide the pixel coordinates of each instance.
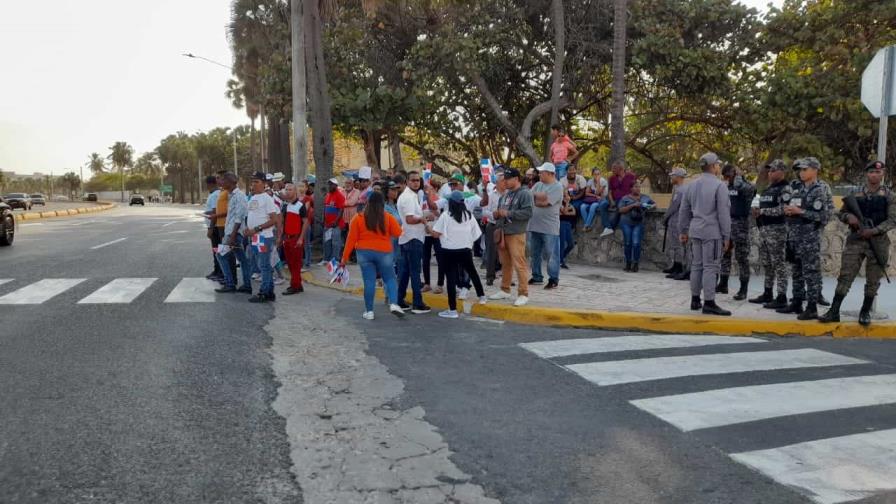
(137, 199)
(18, 200)
(7, 224)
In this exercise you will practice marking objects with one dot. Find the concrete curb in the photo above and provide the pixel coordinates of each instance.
(653, 322)
(63, 213)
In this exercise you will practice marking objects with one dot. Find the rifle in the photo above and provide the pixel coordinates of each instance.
(850, 205)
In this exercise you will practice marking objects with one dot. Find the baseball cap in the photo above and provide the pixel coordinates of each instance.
(776, 165)
(456, 196)
(269, 177)
(678, 172)
(812, 162)
(710, 158)
(277, 177)
(511, 173)
(311, 179)
(334, 180)
(391, 184)
(457, 177)
(796, 164)
(259, 176)
(875, 165)
(547, 167)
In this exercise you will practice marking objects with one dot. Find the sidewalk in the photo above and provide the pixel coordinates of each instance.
(598, 297)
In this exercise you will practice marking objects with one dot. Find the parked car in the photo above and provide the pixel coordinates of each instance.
(38, 199)
(137, 199)
(7, 224)
(91, 197)
(18, 200)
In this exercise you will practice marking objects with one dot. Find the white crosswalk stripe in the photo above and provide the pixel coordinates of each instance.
(828, 471)
(119, 291)
(193, 290)
(728, 406)
(39, 292)
(563, 348)
(636, 370)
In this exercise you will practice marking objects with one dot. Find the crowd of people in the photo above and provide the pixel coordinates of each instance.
(523, 226)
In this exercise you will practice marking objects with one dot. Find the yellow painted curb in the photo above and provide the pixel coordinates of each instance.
(63, 213)
(654, 322)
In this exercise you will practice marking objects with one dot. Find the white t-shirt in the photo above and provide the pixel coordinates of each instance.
(261, 206)
(603, 183)
(409, 204)
(457, 235)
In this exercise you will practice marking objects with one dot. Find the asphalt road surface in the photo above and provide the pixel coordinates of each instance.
(134, 384)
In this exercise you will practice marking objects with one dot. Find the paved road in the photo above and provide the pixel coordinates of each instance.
(123, 387)
(131, 400)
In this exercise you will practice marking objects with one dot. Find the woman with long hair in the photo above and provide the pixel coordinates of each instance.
(457, 230)
(370, 235)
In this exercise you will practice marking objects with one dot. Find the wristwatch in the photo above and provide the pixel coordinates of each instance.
(257, 229)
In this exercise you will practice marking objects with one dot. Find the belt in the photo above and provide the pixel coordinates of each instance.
(292, 236)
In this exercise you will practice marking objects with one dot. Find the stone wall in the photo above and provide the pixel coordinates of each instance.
(607, 251)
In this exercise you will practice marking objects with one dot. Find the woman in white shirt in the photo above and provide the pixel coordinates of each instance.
(457, 230)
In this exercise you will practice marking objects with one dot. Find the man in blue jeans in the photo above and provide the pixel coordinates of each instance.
(413, 232)
(263, 216)
(232, 241)
(544, 226)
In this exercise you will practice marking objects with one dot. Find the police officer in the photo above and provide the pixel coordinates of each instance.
(878, 205)
(741, 193)
(773, 236)
(808, 211)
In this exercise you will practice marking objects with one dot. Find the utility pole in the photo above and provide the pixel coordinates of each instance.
(299, 118)
(885, 101)
(199, 168)
(121, 178)
(81, 182)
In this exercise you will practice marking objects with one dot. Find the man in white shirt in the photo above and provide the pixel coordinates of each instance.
(262, 218)
(410, 243)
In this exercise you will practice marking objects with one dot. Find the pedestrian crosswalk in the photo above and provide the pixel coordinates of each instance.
(114, 291)
(827, 470)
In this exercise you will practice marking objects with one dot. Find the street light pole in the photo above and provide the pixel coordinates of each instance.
(299, 119)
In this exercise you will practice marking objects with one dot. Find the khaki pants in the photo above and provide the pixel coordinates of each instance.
(513, 257)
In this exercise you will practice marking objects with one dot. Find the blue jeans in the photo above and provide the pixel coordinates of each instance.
(263, 263)
(373, 262)
(561, 169)
(227, 266)
(547, 246)
(589, 212)
(567, 241)
(333, 246)
(306, 262)
(409, 266)
(632, 232)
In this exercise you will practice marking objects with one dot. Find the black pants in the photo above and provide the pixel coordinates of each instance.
(429, 244)
(454, 261)
(217, 233)
(490, 258)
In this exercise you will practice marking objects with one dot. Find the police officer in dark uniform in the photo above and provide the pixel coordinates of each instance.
(878, 204)
(741, 194)
(772, 228)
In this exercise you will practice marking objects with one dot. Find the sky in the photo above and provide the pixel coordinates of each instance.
(79, 75)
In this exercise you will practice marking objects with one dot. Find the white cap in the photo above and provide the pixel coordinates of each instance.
(334, 180)
(364, 173)
(548, 167)
(279, 176)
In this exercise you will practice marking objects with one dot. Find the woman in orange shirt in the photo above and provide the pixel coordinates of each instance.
(370, 235)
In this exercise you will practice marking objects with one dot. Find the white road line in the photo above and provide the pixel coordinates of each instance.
(120, 290)
(193, 290)
(178, 232)
(32, 224)
(832, 470)
(41, 291)
(5, 280)
(101, 245)
(561, 348)
(715, 408)
(636, 370)
(169, 223)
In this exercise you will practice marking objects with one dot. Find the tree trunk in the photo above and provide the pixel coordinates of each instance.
(285, 156)
(372, 144)
(273, 146)
(253, 145)
(320, 116)
(395, 150)
(617, 119)
(264, 144)
(299, 88)
(182, 186)
(557, 77)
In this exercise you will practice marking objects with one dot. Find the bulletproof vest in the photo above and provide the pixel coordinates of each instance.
(740, 205)
(873, 207)
(771, 198)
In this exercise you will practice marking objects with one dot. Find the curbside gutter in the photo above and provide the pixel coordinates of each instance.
(101, 207)
(653, 322)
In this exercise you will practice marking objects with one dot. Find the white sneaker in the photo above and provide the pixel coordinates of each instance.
(463, 293)
(322, 263)
(368, 315)
(437, 289)
(483, 299)
(449, 314)
(520, 301)
(396, 310)
(256, 276)
(279, 281)
(499, 295)
(606, 232)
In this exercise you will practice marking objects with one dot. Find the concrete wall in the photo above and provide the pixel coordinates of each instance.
(608, 251)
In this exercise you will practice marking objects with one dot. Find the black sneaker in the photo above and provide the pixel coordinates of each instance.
(290, 291)
(552, 284)
(212, 276)
(564, 266)
(404, 306)
(245, 290)
(225, 290)
(420, 309)
(270, 297)
(259, 298)
(533, 281)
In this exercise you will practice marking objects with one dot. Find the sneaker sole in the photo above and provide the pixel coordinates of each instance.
(420, 312)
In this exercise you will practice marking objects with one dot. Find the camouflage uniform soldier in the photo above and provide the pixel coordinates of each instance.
(796, 271)
(741, 194)
(773, 236)
(809, 210)
(675, 249)
(878, 205)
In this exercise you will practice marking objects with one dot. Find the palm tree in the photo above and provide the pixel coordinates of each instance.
(617, 119)
(122, 157)
(96, 163)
